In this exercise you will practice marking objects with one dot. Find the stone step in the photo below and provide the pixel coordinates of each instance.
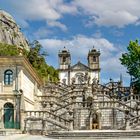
(94, 134)
(4, 132)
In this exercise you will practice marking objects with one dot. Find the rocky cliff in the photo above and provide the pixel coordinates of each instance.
(10, 32)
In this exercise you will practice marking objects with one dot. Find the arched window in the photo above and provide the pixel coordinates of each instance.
(8, 77)
(94, 59)
(64, 59)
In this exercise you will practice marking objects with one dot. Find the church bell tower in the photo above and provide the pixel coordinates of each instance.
(94, 62)
(93, 59)
(64, 59)
(64, 66)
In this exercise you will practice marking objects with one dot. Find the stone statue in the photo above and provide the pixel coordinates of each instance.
(64, 81)
(95, 81)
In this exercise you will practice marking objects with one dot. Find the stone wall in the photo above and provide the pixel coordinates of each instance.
(107, 119)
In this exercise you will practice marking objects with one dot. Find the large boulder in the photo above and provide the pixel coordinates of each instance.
(10, 32)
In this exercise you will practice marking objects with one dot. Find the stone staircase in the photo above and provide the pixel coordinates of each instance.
(63, 99)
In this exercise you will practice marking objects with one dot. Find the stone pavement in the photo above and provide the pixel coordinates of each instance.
(24, 137)
(35, 137)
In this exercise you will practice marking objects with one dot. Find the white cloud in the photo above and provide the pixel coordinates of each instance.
(80, 43)
(110, 13)
(42, 32)
(112, 68)
(120, 18)
(67, 8)
(35, 10)
(103, 13)
(57, 24)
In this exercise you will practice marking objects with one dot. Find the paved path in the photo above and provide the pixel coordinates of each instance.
(33, 137)
(24, 137)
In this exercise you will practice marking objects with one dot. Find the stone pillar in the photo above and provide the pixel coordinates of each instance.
(99, 118)
(127, 125)
(25, 127)
(22, 118)
(44, 127)
(90, 122)
(71, 125)
(1, 118)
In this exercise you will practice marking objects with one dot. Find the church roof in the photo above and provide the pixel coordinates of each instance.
(79, 66)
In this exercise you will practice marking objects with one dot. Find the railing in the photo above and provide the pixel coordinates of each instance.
(47, 116)
(100, 104)
(64, 106)
(43, 115)
(134, 121)
(133, 97)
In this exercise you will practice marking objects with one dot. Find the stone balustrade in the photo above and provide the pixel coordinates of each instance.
(133, 97)
(134, 121)
(37, 120)
(45, 114)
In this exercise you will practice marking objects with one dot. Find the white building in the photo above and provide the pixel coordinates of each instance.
(19, 87)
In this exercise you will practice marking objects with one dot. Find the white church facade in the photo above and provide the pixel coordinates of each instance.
(76, 74)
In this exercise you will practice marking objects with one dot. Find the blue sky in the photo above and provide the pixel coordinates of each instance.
(108, 25)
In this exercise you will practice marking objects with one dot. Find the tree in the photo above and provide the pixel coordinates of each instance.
(131, 60)
(36, 57)
(36, 54)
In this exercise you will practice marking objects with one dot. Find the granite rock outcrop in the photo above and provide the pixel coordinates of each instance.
(10, 32)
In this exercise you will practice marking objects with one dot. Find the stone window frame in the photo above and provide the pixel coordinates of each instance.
(8, 77)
